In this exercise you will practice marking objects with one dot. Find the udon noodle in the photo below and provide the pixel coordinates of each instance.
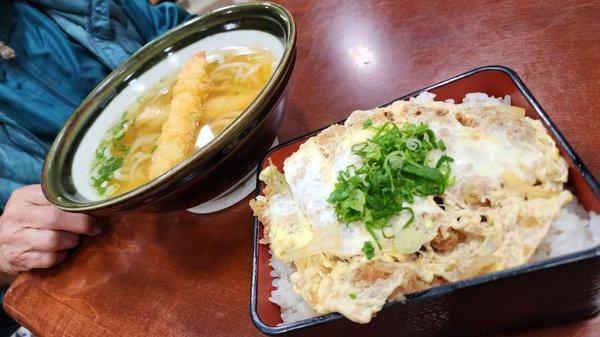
(123, 157)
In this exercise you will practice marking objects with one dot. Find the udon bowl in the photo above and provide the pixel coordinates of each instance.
(209, 171)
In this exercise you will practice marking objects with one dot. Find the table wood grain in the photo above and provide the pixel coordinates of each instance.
(180, 274)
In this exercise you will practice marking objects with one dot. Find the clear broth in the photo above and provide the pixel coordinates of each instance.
(123, 157)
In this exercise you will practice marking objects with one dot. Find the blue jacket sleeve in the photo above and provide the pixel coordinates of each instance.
(153, 20)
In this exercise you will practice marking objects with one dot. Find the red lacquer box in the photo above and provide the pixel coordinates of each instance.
(550, 291)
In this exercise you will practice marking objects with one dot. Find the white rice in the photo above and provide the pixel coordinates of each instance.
(293, 307)
(573, 230)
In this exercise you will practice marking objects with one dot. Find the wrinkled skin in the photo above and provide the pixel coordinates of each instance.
(35, 234)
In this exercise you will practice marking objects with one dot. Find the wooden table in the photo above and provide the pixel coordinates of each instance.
(180, 274)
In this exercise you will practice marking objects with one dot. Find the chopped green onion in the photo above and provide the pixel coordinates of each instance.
(368, 249)
(413, 144)
(441, 145)
(422, 171)
(394, 170)
(110, 155)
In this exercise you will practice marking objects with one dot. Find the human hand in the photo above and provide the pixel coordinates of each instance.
(35, 234)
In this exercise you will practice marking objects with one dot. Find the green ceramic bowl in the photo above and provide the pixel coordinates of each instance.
(212, 169)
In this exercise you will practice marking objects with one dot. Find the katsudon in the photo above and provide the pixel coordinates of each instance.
(409, 196)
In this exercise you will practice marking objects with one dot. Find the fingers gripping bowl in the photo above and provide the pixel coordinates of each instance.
(117, 151)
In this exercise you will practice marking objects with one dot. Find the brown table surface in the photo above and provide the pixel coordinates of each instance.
(180, 274)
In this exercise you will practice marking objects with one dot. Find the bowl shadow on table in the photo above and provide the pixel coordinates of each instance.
(558, 327)
(210, 241)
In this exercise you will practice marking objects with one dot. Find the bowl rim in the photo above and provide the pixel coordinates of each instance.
(134, 63)
(444, 289)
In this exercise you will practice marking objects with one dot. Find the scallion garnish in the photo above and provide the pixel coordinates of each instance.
(368, 249)
(109, 155)
(394, 171)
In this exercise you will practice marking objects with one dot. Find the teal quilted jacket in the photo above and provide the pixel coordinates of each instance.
(62, 49)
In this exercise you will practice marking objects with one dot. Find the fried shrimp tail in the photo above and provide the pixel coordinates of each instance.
(179, 133)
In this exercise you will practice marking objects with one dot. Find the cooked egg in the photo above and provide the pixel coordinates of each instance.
(507, 189)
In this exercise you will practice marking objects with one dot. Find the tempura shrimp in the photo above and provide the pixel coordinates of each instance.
(179, 133)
